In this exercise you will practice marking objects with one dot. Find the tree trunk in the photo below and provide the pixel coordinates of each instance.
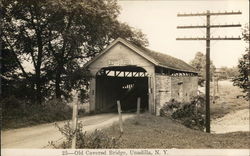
(38, 86)
(58, 81)
(38, 68)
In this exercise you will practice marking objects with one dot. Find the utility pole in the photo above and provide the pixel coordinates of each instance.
(208, 38)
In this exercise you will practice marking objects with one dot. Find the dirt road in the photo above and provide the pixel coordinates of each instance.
(233, 122)
(229, 113)
(38, 136)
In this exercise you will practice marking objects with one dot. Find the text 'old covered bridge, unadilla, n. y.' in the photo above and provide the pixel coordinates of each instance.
(124, 71)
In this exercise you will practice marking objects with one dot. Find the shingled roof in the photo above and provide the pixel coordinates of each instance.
(168, 61)
(157, 58)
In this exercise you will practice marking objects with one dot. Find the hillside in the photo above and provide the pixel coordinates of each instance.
(160, 132)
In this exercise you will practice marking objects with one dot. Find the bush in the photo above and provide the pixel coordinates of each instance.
(169, 108)
(17, 113)
(94, 140)
(12, 108)
(55, 110)
(189, 114)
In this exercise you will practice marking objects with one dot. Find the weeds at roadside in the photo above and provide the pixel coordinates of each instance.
(94, 140)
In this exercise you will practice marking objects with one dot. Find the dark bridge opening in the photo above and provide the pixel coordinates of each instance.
(126, 84)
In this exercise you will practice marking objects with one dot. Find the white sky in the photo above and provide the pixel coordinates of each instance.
(158, 20)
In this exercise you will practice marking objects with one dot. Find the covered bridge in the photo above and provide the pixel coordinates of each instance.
(124, 72)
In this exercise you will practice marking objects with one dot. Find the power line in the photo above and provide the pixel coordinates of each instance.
(208, 38)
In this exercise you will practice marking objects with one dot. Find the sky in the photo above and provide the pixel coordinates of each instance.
(158, 20)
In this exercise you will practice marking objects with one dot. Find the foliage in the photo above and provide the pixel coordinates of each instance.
(84, 95)
(94, 140)
(169, 108)
(11, 81)
(55, 39)
(9, 65)
(23, 31)
(189, 114)
(199, 63)
(19, 113)
(227, 73)
(242, 79)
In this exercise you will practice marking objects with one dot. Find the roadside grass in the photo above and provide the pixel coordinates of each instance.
(227, 101)
(149, 131)
(22, 114)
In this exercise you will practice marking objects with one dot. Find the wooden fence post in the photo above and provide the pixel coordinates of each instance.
(120, 115)
(138, 106)
(217, 83)
(74, 123)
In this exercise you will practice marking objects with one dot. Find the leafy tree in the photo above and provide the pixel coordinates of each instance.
(57, 37)
(24, 30)
(12, 82)
(80, 30)
(199, 63)
(242, 79)
(8, 68)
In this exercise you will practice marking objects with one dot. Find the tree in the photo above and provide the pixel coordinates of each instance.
(24, 30)
(57, 37)
(85, 29)
(199, 63)
(12, 83)
(242, 79)
(8, 70)
(227, 73)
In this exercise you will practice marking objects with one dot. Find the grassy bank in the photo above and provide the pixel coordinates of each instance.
(160, 132)
(22, 114)
(227, 100)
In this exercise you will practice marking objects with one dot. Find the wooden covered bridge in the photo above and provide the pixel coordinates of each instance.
(124, 72)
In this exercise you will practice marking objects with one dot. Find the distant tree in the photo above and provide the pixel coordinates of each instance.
(199, 63)
(227, 73)
(242, 79)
